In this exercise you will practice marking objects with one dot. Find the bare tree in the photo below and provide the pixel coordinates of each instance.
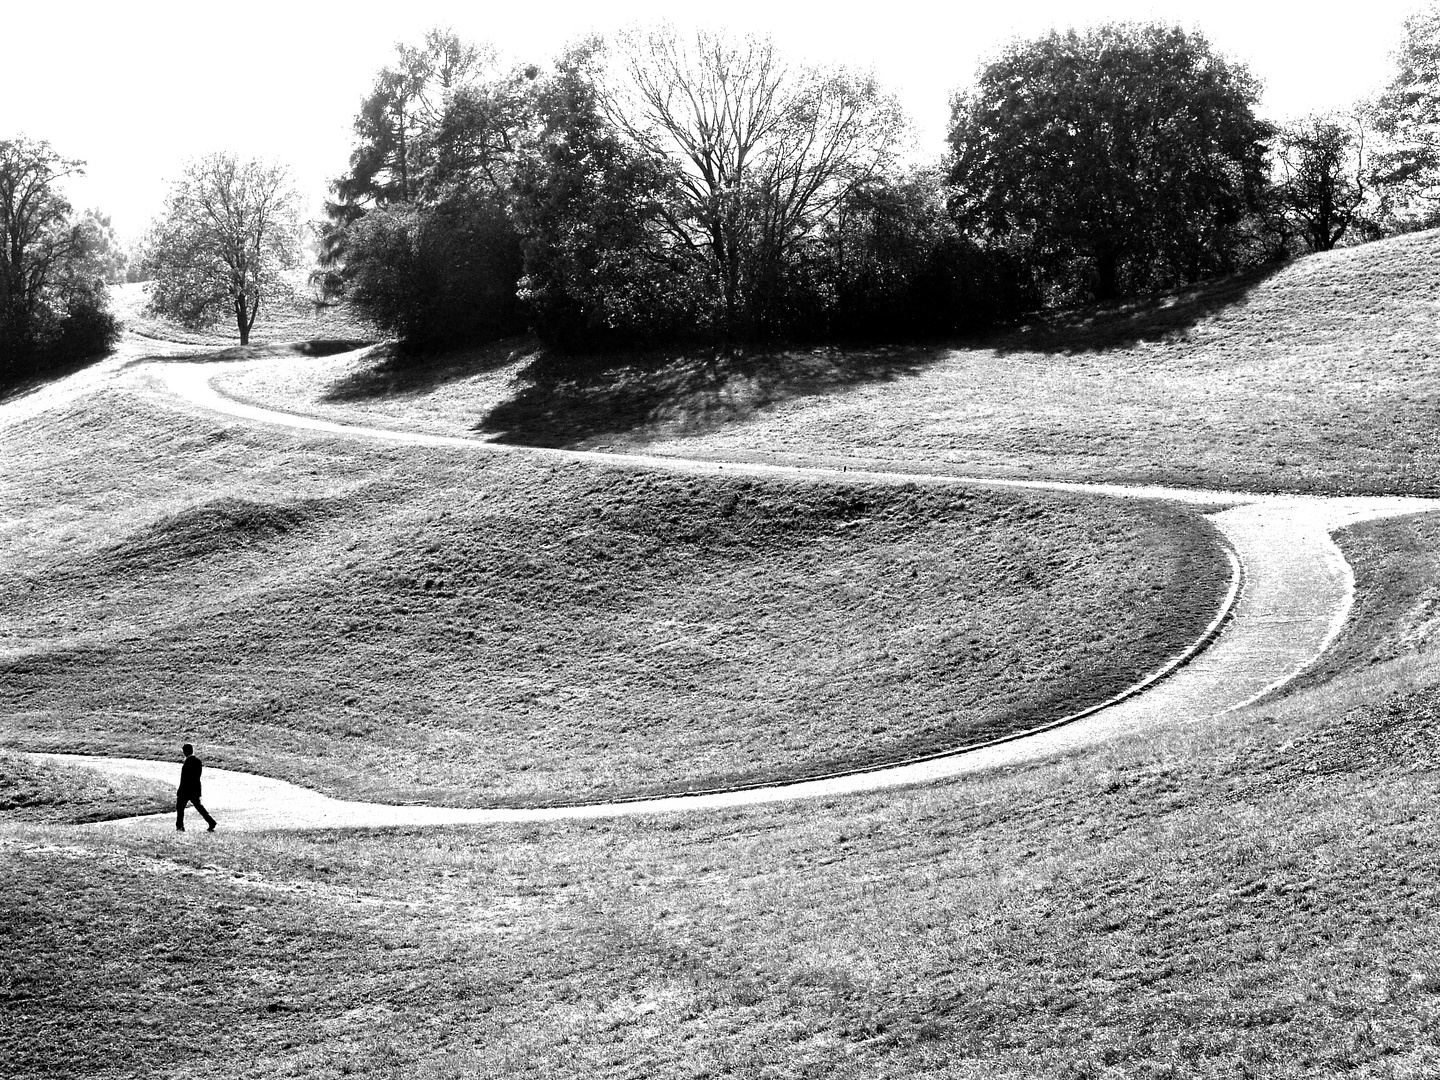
(1324, 183)
(761, 155)
(229, 228)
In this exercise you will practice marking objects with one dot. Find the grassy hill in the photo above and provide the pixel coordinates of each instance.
(471, 627)
(1247, 896)
(1322, 376)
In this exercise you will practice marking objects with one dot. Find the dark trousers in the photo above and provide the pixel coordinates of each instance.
(180, 800)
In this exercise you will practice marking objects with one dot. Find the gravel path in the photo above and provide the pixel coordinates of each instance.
(1297, 591)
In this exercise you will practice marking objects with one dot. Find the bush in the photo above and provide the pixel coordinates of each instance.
(437, 276)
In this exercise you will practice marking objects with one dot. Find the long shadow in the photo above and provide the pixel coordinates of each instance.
(16, 384)
(396, 373)
(571, 400)
(1159, 318)
(235, 353)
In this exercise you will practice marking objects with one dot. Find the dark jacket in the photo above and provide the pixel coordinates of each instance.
(190, 777)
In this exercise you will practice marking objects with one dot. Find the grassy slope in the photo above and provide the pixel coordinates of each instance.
(469, 627)
(1322, 377)
(1199, 903)
(43, 792)
(288, 316)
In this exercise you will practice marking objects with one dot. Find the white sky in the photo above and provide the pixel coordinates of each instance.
(136, 88)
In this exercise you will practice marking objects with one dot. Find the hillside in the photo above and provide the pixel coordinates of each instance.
(471, 627)
(1248, 895)
(1321, 376)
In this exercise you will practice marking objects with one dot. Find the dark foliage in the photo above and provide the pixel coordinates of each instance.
(437, 276)
(1121, 160)
(586, 205)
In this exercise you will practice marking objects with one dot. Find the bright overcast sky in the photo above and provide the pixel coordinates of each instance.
(136, 88)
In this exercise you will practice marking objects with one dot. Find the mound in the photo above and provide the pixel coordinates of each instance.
(1320, 376)
(468, 627)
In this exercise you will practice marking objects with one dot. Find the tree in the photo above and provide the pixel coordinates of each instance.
(1134, 150)
(228, 230)
(50, 306)
(761, 156)
(418, 236)
(597, 268)
(1323, 184)
(34, 230)
(1407, 169)
(103, 256)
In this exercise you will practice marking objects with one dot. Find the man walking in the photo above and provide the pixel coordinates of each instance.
(190, 789)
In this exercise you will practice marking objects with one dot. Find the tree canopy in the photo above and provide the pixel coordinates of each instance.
(1132, 149)
(229, 228)
(1325, 176)
(760, 155)
(51, 303)
(1408, 115)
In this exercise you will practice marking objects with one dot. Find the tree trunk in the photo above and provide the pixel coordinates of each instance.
(1107, 268)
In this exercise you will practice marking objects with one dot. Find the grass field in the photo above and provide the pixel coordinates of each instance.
(33, 791)
(1247, 896)
(1320, 377)
(470, 627)
(290, 315)
(1204, 902)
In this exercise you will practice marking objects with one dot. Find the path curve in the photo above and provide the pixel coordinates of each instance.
(1297, 593)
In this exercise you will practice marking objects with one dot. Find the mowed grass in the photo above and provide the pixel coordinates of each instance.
(1220, 899)
(1323, 376)
(472, 627)
(48, 792)
(290, 314)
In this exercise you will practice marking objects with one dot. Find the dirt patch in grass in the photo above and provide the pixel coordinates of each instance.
(1319, 378)
(1193, 903)
(464, 627)
(39, 791)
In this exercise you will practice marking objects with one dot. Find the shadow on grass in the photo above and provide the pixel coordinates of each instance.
(17, 384)
(1153, 319)
(396, 373)
(235, 353)
(574, 400)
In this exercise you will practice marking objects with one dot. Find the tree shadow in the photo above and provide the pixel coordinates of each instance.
(237, 353)
(397, 373)
(27, 380)
(1156, 318)
(572, 400)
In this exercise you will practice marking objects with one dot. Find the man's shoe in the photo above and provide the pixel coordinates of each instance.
(179, 828)
(211, 828)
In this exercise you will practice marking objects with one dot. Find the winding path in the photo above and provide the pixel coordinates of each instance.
(1297, 591)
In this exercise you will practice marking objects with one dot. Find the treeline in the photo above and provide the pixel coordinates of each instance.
(662, 187)
(656, 189)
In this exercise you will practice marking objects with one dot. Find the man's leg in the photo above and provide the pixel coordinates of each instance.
(206, 816)
(180, 802)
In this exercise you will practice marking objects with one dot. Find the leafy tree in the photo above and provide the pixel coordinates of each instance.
(103, 256)
(1408, 116)
(598, 269)
(229, 229)
(761, 156)
(49, 306)
(1134, 150)
(437, 276)
(902, 267)
(34, 231)
(1324, 183)
(436, 151)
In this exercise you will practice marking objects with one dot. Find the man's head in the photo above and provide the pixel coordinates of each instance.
(187, 749)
